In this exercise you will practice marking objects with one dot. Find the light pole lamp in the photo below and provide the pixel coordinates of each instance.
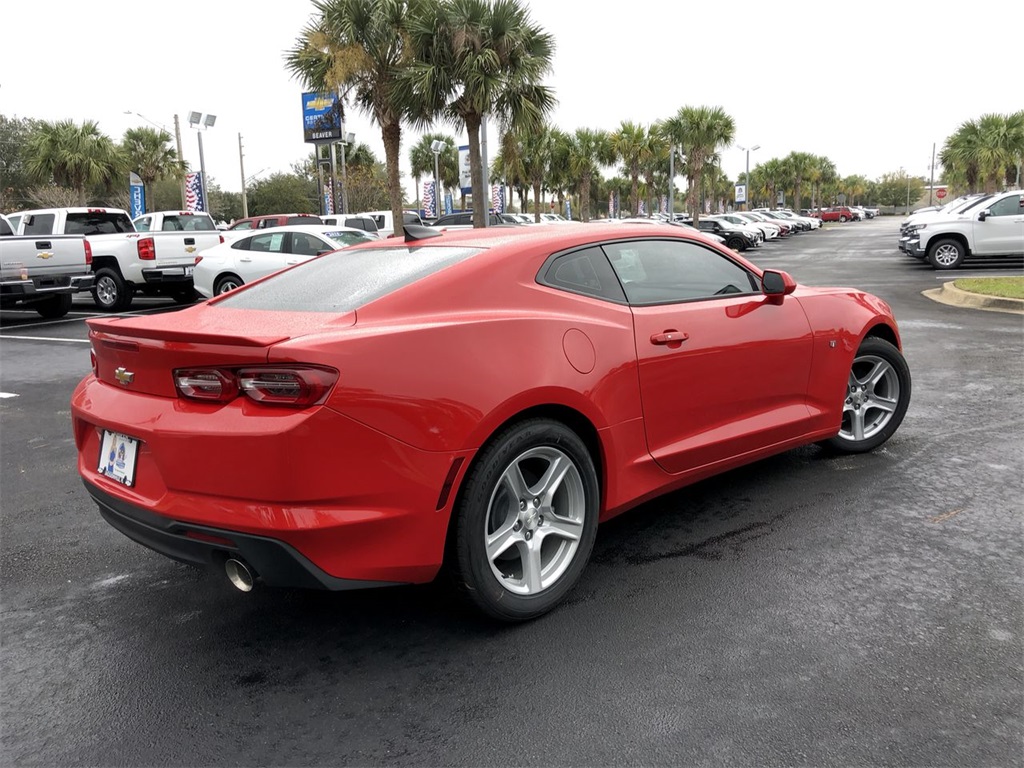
(748, 150)
(437, 147)
(201, 122)
(177, 139)
(349, 138)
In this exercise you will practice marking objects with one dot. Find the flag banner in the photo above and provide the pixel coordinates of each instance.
(429, 200)
(611, 205)
(568, 210)
(449, 203)
(641, 209)
(328, 198)
(498, 198)
(664, 204)
(194, 200)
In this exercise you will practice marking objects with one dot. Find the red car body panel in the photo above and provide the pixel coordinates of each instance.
(364, 485)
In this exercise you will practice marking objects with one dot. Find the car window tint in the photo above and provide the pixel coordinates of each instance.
(587, 272)
(669, 271)
(347, 238)
(5, 228)
(98, 223)
(1008, 206)
(142, 225)
(243, 225)
(305, 244)
(42, 224)
(303, 220)
(345, 284)
(242, 244)
(189, 224)
(271, 242)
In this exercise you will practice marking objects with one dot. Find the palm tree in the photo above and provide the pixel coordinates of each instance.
(800, 167)
(358, 49)
(701, 132)
(478, 58)
(508, 165)
(73, 156)
(586, 150)
(655, 163)
(535, 153)
(630, 145)
(772, 175)
(148, 153)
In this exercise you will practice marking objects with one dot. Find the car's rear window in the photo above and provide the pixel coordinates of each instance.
(347, 280)
(188, 224)
(97, 224)
(303, 220)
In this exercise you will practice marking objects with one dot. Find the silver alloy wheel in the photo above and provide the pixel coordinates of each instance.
(872, 395)
(947, 254)
(227, 284)
(534, 520)
(106, 291)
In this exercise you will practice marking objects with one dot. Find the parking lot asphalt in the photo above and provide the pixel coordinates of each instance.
(805, 610)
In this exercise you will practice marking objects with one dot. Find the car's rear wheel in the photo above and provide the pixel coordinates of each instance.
(54, 306)
(736, 243)
(843, 219)
(184, 297)
(227, 283)
(947, 254)
(110, 291)
(877, 396)
(526, 521)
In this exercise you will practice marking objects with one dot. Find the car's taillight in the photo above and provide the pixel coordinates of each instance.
(207, 384)
(88, 253)
(221, 238)
(297, 387)
(198, 259)
(94, 362)
(147, 249)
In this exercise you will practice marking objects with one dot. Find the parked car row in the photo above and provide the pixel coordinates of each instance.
(970, 227)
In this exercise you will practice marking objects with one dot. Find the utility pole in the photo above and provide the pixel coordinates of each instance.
(484, 172)
(181, 159)
(241, 167)
(931, 184)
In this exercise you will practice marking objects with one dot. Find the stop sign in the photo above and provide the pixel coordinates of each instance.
(940, 193)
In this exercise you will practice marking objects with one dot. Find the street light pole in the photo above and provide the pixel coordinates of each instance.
(931, 184)
(241, 167)
(746, 180)
(349, 138)
(201, 122)
(437, 147)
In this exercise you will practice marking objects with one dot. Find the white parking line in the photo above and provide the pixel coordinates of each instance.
(7, 394)
(43, 338)
(88, 316)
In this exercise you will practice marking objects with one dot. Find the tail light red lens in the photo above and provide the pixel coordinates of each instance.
(222, 238)
(296, 387)
(147, 249)
(207, 384)
(88, 253)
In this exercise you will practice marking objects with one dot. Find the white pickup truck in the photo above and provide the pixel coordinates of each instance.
(42, 273)
(125, 261)
(993, 228)
(175, 221)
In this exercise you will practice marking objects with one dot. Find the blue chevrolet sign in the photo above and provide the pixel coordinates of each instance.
(137, 195)
(321, 117)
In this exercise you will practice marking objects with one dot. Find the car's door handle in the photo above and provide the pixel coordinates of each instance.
(246, 259)
(669, 337)
(190, 241)
(44, 244)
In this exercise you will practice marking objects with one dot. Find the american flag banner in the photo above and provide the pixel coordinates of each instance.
(498, 198)
(430, 200)
(194, 200)
(611, 205)
(641, 208)
(328, 197)
(664, 203)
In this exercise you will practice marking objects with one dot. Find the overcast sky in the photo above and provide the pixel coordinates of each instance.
(869, 84)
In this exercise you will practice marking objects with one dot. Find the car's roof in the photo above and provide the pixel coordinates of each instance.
(318, 228)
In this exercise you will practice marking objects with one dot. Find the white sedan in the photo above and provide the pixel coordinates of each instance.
(244, 259)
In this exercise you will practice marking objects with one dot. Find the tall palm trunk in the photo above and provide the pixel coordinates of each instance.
(391, 133)
(476, 182)
(585, 197)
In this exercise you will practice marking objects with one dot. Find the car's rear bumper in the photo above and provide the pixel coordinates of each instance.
(277, 563)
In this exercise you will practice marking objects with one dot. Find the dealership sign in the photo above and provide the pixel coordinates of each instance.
(321, 117)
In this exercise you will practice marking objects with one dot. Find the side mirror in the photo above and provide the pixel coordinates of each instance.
(775, 283)
(984, 214)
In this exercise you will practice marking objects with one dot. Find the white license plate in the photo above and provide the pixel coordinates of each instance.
(118, 456)
(189, 271)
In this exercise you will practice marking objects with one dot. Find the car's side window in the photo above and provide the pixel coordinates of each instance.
(39, 224)
(272, 242)
(305, 244)
(1008, 206)
(587, 272)
(242, 244)
(142, 225)
(669, 271)
(243, 225)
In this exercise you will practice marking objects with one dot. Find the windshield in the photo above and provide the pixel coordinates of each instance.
(348, 238)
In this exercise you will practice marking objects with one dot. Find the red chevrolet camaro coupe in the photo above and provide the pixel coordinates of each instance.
(478, 399)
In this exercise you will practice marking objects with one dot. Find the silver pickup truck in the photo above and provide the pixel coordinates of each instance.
(125, 261)
(42, 273)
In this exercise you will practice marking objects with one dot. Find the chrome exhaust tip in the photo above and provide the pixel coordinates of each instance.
(239, 574)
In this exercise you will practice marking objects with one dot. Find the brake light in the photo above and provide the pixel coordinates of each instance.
(297, 387)
(207, 384)
(198, 259)
(287, 386)
(147, 249)
(88, 253)
(222, 238)
(94, 362)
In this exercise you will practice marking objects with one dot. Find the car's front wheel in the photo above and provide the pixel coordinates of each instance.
(110, 291)
(947, 254)
(526, 521)
(877, 396)
(227, 283)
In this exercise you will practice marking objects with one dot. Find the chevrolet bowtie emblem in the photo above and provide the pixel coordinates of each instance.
(190, 249)
(124, 376)
(44, 255)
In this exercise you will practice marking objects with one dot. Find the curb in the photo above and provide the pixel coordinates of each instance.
(953, 296)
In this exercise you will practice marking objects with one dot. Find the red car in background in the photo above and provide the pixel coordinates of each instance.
(841, 213)
(481, 398)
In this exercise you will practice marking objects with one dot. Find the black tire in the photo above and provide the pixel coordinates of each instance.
(227, 283)
(510, 586)
(185, 297)
(871, 409)
(947, 253)
(55, 306)
(736, 243)
(843, 219)
(110, 292)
